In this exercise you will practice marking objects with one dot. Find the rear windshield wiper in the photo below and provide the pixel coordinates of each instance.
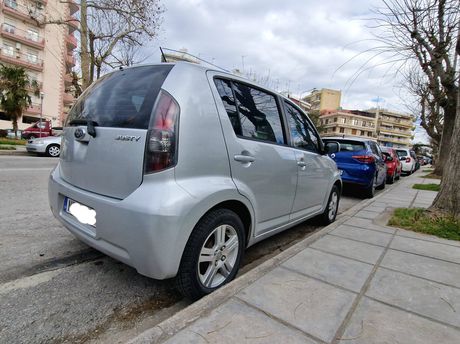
(89, 124)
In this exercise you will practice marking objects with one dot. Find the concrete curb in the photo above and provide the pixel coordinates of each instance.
(190, 314)
(21, 151)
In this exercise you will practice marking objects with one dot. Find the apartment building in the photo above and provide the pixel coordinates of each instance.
(324, 99)
(46, 52)
(394, 129)
(348, 123)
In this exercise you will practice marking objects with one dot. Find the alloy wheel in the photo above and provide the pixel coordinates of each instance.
(218, 256)
(54, 151)
(333, 205)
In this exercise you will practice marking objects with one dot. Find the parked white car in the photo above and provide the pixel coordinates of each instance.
(407, 161)
(50, 145)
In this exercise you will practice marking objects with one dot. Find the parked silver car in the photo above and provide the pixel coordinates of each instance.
(175, 169)
(50, 145)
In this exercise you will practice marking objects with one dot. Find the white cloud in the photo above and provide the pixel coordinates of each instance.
(300, 44)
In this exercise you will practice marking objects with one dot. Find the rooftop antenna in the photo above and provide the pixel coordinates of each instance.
(163, 57)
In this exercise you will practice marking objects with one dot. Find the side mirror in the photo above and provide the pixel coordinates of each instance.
(387, 157)
(331, 147)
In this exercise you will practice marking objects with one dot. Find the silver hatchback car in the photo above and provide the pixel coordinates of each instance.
(175, 169)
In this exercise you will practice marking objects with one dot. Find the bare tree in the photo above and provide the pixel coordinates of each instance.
(425, 31)
(110, 31)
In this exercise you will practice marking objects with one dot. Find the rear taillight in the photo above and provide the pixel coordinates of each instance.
(407, 159)
(367, 159)
(160, 152)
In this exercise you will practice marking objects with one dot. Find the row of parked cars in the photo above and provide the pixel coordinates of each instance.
(367, 165)
(175, 169)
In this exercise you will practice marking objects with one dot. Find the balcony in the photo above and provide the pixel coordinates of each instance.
(22, 36)
(68, 98)
(29, 13)
(71, 42)
(395, 121)
(73, 7)
(34, 109)
(393, 131)
(73, 23)
(70, 60)
(405, 142)
(20, 59)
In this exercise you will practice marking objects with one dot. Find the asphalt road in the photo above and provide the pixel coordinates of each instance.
(55, 289)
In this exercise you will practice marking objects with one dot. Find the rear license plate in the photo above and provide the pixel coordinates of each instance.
(81, 212)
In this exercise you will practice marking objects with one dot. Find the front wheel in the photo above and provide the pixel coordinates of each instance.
(212, 255)
(330, 213)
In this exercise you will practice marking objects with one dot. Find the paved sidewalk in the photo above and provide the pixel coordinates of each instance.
(362, 282)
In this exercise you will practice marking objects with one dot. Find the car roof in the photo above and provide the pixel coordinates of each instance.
(348, 138)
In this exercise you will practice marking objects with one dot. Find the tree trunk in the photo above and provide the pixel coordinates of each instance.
(84, 55)
(448, 198)
(15, 127)
(445, 143)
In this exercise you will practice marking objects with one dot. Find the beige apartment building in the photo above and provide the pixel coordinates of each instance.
(394, 129)
(348, 123)
(324, 99)
(46, 52)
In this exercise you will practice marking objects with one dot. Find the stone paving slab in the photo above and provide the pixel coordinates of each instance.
(429, 268)
(312, 306)
(423, 297)
(349, 248)
(365, 214)
(236, 322)
(343, 272)
(365, 235)
(376, 323)
(427, 248)
(368, 224)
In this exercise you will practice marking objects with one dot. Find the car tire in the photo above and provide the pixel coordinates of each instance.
(370, 191)
(53, 151)
(392, 179)
(398, 177)
(330, 213)
(207, 261)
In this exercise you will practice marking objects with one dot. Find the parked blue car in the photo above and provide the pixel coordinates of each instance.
(361, 163)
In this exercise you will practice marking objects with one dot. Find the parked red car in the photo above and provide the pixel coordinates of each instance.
(42, 129)
(393, 164)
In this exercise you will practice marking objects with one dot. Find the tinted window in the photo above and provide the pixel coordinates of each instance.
(302, 133)
(349, 146)
(259, 115)
(226, 94)
(121, 99)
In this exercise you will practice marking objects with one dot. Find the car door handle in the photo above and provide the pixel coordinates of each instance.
(244, 158)
(301, 163)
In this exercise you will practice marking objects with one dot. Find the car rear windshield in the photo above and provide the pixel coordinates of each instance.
(401, 153)
(350, 145)
(123, 99)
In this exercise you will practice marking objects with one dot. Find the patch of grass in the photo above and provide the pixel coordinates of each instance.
(423, 221)
(428, 187)
(5, 141)
(431, 176)
(5, 147)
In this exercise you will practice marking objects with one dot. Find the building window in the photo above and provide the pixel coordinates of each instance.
(369, 133)
(342, 130)
(353, 131)
(32, 34)
(327, 121)
(8, 49)
(8, 28)
(335, 119)
(11, 3)
(362, 133)
(32, 57)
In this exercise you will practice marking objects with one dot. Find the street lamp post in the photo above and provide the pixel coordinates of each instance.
(42, 95)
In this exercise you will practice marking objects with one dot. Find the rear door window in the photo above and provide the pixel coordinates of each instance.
(123, 99)
(302, 133)
(259, 114)
(226, 95)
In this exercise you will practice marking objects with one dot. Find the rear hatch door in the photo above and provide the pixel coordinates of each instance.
(103, 143)
(345, 157)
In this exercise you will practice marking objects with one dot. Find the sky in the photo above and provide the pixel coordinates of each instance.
(291, 45)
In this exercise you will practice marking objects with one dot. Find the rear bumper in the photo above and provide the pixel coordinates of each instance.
(360, 175)
(139, 232)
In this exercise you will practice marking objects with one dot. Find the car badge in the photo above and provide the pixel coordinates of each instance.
(79, 133)
(333, 155)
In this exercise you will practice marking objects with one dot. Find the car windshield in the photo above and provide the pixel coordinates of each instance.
(401, 153)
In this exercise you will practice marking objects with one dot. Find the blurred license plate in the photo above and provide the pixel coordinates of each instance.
(81, 212)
